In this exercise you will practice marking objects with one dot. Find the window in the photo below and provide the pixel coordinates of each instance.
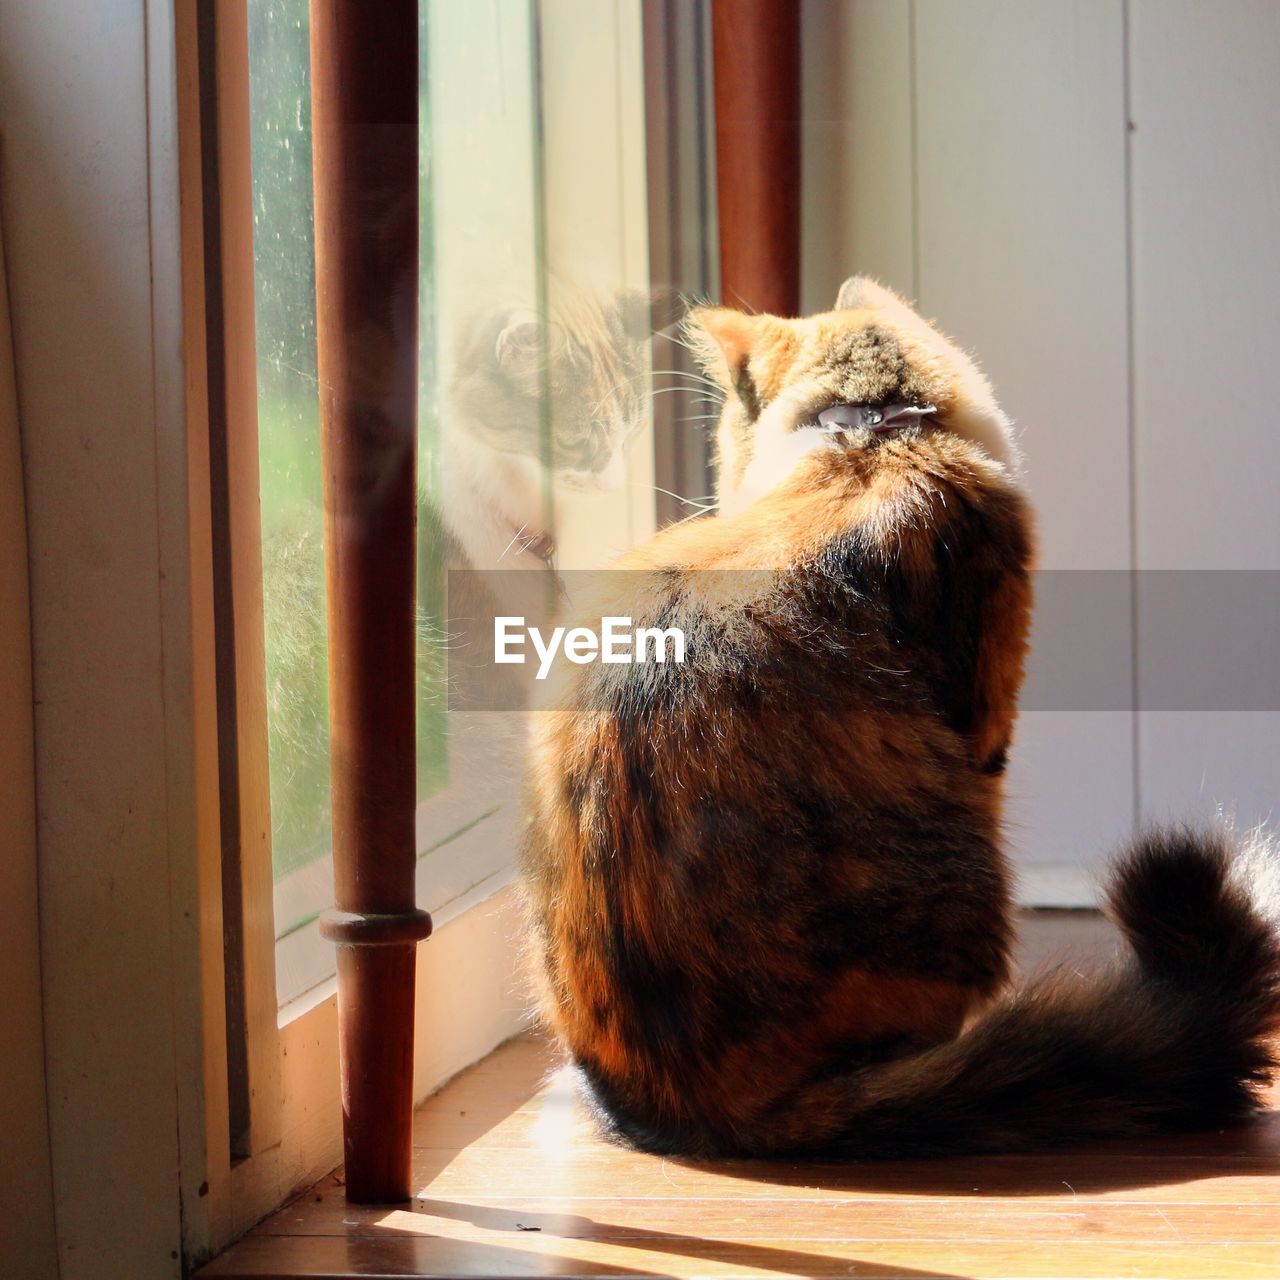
(541, 186)
(534, 418)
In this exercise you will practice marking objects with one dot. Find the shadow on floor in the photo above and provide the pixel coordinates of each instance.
(602, 1237)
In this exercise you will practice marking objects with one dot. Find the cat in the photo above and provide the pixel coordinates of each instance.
(767, 894)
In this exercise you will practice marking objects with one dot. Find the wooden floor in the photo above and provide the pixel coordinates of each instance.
(513, 1182)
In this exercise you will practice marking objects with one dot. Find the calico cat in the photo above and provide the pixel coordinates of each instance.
(767, 886)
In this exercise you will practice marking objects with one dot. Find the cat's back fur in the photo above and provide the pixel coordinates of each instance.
(767, 884)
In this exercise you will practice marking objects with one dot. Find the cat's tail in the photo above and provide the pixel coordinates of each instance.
(1178, 1035)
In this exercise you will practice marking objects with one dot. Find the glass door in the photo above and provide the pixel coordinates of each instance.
(535, 433)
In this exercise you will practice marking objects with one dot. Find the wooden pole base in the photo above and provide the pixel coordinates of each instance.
(375, 1031)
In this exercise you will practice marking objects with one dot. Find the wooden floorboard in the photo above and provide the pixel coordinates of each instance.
(514, 1181)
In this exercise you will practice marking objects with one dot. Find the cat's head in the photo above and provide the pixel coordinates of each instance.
(844, 379)
(567, 391)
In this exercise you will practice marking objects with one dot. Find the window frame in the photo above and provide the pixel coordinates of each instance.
(285, 1126)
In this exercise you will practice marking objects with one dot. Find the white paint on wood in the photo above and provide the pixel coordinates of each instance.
(858, 202)
(1205, 103)
(1206, 278)
(1071, 885)
(1021, 171)
(191, 676)
(1021, 250)
(1202, 764)
(77, 214)
(1101, 275)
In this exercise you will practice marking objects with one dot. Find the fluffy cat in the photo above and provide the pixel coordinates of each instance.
(767, 886)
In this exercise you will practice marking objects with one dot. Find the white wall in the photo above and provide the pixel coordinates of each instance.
(1113, 278)
(1205, 92)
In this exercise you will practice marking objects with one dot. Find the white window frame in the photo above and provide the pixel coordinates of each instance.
(294, 1132)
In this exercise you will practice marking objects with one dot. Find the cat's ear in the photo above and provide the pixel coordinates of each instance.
(746, 354)
(863, 291)
(523, 346)
(723, 340)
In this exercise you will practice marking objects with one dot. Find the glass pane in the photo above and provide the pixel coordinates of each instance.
(535, 447)
(291, 504)
(289, 439)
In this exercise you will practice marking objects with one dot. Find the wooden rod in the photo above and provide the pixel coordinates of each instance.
(364, 104)
(756, 58)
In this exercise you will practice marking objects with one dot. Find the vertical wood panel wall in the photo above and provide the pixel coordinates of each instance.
(1205, 102)
(979, 158)
(1020, 216)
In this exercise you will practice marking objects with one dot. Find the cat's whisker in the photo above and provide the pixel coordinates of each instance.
(619, 385)
(704, 502)
(691, 388)
(703, 384)
(688, 391)
(678, 339)
(695, 515)
(685, 373)
(515, 537)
